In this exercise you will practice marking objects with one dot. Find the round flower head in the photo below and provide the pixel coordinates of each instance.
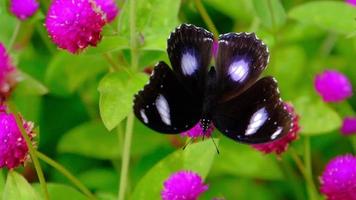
(333, 86)
(338, 181)
(351, 2)
(281, 145)
(349, 126)
(109, 7)
(183, 185)
(197, 131)
(23, 9)
(13, 148)
(74, 24)
(7, 74)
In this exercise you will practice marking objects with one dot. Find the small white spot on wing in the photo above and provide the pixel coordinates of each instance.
(189, 63)
(256, 121)
(276, 133)
(163, 109)
(143, 115)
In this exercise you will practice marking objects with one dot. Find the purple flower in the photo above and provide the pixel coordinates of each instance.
(23, 9)
(13, 148)
(109, 7)
(74, 24)
(185, 185)
(333, 86)
(351, 2)
(281, 145)
(338, 181)
(8, 74)
(197, 131)
(349, 125)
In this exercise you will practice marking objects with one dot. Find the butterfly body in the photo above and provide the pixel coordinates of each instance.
(228, 95)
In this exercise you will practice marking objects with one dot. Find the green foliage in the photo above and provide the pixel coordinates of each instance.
(198, 158)
(271, 13)
(60, 192)
(330, 15)
(116, 92)
(18, 188)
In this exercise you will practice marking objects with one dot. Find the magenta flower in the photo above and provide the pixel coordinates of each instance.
(333, 86)
(338, 181)
(281, 145)
(185, 185)
(197, 131)
(13, 148)
(109, 7)
(74, 24)
(348, 126)
(8, 76)
(23, 9)
(351, 2)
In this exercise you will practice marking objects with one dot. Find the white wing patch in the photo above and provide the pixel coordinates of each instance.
(163, 109)
(256, 121)
(143, 115)
(276, 133)
(189, 63)
(239, 70)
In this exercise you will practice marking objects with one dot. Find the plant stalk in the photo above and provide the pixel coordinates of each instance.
(311, 188)
(204, 14)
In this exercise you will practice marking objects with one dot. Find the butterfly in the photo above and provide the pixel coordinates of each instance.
(230, 96)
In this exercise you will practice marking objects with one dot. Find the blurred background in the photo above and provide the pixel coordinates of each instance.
(67, 96)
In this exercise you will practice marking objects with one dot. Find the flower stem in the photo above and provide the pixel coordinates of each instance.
(14, 35)
(130, 118)
(312, 191)
(32, 152)
(111, 61)
(67, 174)
(204, 14)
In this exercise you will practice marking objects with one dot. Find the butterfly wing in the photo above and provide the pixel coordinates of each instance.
(164, 105)
(189, 50)
(241, 59)
(256, 116)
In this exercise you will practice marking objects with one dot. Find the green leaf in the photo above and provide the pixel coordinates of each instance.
(155, 20)
(31, 85)
(92, 140)
(338, 17)
(60, 192)
(100, 179)
(18, 188)
(237, 9)
(271, 13)
(109, 44)
(197, 157)
(243, 161)
(66, 72)
(2, 183)
(316, 117)
(116, 96)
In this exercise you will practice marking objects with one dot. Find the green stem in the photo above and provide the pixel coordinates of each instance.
(32, 152)
(111, 61)
(204, 14)
(312, 191)
(67, 174)
(130, 118)
(14, 35)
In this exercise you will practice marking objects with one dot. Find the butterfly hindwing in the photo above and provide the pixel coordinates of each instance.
(189, 50)
(241, 59)
(164, 104)
(255, 116)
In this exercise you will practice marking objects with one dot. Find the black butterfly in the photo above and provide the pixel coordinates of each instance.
(240, 106)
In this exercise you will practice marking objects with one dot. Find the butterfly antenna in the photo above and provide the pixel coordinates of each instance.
(216, 146)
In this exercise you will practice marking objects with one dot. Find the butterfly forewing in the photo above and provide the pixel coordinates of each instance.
(240, 61)
(189, 50)
(165, 105)
(255, 116)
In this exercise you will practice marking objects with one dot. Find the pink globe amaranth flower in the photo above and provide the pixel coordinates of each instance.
(183, 185)
(333, 86)
(351, 2)
(8, 74)
(74, 24)
(197, 131)
(281, 145)
(23, 9)
(348, 126)
(13, 147)
(338, 181)
(109, 7)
